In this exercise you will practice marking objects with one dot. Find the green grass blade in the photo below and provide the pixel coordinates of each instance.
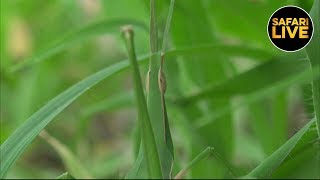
(147, 134)
(303, 155)
(271, 116)
(115, 102)
(163, 87)
(166, 33)
(154, 46)
(243, 83)
(267, 167)
(100, 28)
(314, 57)
(229, 50)
(154, 99)
(257, 94)
(13, 147)
(204, 154)
(138, 170)
(69, 40)
(198, 158)
(65, 175)
(71, 163)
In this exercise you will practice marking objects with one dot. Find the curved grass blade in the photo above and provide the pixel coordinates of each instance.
(302, 153)
(228, 50)
(71, 163)
(257, 94)
(267, 167)
(69, 40)
(12, 148)
(145, 127)
(65, 175)
(204, 154)
(198, 158)
(314, 57)
(76, 37)
(243, 83)
(121, 100)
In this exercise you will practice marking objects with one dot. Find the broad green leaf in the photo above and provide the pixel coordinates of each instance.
(72, 164)
(65, 175)
(145, 127)
(76, 37)
(268, 166)
(314, 57)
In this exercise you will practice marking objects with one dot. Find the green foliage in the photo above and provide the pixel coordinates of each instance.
(22, 137)
(85, 33)
(213, 80)
(313, 55)
(266, 168)
(147, 135)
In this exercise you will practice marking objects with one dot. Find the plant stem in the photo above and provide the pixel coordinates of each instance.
(313, 54)
(155, 99)
(167, 28)
(316, 98)
(196, 160)
(148, 139)
(208, 151)
(162, 82)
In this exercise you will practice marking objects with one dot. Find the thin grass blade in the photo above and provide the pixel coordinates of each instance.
(243, 83)
(65, 175)
(78, 36)
(314, 57)
(14, 146)
(72, 164)
(268, 166)
(204, 154)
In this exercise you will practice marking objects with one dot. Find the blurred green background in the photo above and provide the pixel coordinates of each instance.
(98, 127)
